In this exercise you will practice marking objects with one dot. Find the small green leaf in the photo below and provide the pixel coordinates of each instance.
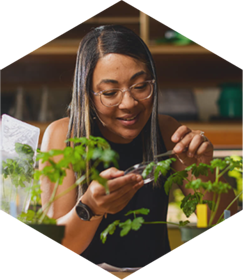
(189, 204)
(201, 169)
(168, 184)
(183, 223)
(221, 164)
(137, 223)
(148, 169)
(194, 185)
(211, 204)
(109, 230)
(143, 211)
(126, 227)
(162, 167)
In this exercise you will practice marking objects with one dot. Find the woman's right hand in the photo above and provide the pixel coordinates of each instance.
(122, 189)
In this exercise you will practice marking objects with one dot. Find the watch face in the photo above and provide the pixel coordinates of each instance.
(82, 213)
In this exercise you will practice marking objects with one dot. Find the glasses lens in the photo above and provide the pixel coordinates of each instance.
(141, 91)
(111, 97)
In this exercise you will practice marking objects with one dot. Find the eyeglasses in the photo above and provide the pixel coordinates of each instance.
(113, 97)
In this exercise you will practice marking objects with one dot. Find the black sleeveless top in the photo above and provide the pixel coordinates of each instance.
(137, 248)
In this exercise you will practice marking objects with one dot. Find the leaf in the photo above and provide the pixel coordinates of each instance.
(194, 185)
(28, 217)
(109, 230)
(48, 221)
(183, 223)
(221, 164)
(109, 156)
(211, 204)
(168, 184)
(137, 223)
(162, 167)
(176, 178)
(126, 227)
(221, 187)
(189, 203)
(201, 169)
(148, 169)
(24, 150)
(143, 211)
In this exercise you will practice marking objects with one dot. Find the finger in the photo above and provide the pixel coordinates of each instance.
(205, 146)
(123, 181)
(194, 145)
(184, 143)
(180, 133)
(111, 173)
(120, 193)
(119, 204)
(115, 184)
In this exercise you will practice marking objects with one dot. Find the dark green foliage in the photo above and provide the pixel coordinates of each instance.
(109, 230)
(20, 169)
(198, 188)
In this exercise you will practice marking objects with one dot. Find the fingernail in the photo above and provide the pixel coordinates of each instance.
(190, 155)
(134, 178)
(138, 185)
(178, 149)
(175, 138)
(138, 178)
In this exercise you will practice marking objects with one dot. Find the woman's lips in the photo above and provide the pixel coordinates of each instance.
(127, 121)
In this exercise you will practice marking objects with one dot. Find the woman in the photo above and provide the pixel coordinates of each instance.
(115, 96)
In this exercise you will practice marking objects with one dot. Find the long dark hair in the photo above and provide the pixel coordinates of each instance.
(96, 44)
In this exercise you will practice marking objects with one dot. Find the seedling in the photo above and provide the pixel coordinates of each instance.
(189, 203)
(93, 151)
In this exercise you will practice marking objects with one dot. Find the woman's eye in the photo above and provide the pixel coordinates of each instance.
(109, 93)
(141, 86)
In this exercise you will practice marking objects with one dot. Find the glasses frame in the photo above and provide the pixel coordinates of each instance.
(124, 90)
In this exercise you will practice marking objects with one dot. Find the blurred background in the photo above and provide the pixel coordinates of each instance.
(197, 87)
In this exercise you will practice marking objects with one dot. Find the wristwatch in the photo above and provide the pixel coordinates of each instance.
(85, 213)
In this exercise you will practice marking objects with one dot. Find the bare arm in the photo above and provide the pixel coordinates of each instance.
(79, 233)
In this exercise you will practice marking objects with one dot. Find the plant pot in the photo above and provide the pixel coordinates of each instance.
(204, 252)
(39, 251)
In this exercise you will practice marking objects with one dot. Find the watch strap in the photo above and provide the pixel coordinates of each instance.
(92, 215)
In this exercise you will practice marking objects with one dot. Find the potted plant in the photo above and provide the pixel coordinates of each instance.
(92, 151)
(238, 180)
(190, 203)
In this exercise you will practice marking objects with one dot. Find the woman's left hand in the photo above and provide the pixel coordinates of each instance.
(198, 148)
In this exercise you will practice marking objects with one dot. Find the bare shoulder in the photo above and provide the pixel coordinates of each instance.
(55, 135)
(168, 126)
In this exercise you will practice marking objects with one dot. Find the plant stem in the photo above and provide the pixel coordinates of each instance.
(203, 196)
(224, 171)
(217, 175)
(45, 211)
(79, 181)
(216, 208)
(184, 177)
(161, 222)
(230, 205)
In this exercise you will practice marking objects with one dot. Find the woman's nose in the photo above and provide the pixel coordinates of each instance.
(128, 101)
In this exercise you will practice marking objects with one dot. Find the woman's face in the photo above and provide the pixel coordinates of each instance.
(124, 122)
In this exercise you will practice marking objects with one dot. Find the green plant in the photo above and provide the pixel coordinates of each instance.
(20, 169)
(83, 151)
(189, 202)
(17, 174)
(238, 177)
